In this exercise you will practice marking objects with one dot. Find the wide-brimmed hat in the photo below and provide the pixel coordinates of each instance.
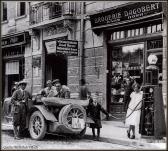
(22, 82)
(56, 81)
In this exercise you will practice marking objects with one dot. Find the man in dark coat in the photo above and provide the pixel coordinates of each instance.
(84, 92)
(93, 111)
(20, 100)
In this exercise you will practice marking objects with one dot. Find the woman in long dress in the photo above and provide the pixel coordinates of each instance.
(134, 111)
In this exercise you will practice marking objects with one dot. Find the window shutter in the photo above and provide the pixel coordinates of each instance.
(18, 8)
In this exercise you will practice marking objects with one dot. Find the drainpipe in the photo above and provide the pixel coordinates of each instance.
(82, 55)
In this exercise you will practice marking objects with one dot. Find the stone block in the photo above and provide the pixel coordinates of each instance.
(73, 71)
(91, 52)
(73, 62)
(73, 80)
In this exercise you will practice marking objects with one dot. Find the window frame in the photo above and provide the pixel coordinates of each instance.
(18, 12)
(4, 20)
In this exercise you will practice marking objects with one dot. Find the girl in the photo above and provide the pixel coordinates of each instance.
(134, 111)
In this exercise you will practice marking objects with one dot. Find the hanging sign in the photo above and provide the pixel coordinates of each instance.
(51, 47)
(125, 13)
(67, 47)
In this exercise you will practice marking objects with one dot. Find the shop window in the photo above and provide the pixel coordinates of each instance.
(127, 60)
(154, 28)
(21, 8)
(4, 11)
(117, 35)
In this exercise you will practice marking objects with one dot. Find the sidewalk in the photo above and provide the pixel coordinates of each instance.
(115, 132)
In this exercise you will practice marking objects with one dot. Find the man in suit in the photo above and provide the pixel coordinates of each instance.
(20, 100)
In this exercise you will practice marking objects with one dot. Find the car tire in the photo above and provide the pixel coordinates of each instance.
(37, 126)
(69, 111)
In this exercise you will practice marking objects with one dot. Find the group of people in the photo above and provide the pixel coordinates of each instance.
(55, 89)
(21, 97)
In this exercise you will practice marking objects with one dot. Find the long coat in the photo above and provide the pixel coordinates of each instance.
(20, 103)
(94, 113)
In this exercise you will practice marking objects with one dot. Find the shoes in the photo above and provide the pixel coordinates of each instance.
(98, 138)
(132, 137)
(18, 138)
(128, 134)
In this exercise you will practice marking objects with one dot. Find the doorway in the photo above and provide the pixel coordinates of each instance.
(56, 68)
(125, 63)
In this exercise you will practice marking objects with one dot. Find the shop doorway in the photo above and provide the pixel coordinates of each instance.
(56, 68)
(125, 63)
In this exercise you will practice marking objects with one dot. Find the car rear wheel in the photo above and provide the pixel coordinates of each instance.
(37, 126)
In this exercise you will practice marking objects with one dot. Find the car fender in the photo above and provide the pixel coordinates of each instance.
(49, 116)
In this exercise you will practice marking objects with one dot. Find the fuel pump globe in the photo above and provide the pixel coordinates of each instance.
(152, 59)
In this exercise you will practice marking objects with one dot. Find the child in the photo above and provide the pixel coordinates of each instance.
(134, 111)
(93, 111)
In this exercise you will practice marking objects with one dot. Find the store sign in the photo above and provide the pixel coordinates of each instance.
(67, 47)
(36, 62)
(126, 13)
(14, 40)
(154, 44)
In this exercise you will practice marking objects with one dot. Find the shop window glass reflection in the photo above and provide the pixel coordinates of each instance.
(125, 59)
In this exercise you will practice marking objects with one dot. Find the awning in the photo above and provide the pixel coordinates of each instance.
(15, 39)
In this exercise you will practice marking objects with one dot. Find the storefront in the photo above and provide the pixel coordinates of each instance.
(57, 48)
(13, 67)
(132, 33)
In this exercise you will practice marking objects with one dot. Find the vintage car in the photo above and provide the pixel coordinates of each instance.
(52, 115)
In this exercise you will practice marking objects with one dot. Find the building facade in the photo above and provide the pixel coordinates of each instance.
(15, 43)
(114, 37)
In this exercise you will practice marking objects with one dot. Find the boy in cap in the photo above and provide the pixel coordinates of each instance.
(20, 100)
(93, 111)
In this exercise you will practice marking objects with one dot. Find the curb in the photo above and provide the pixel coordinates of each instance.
(132, 143)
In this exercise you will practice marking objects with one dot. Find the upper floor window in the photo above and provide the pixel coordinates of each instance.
(21, 8)
(4, 11)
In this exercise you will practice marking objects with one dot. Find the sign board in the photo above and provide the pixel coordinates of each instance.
(68, 47)
(14, 40)
(51, 47)
(126, 13)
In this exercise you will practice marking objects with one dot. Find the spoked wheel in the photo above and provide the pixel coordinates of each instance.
(37, 126)
(70, 113)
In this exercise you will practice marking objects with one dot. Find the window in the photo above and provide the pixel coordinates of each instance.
(21, 8)
(4, 11)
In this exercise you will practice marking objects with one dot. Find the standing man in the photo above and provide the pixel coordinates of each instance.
(20, 100)
(84, 92)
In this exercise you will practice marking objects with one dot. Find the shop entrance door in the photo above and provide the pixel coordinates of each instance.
(56, 68)
(126, 65)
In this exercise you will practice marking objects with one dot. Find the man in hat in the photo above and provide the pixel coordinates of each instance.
(50, 90)
(15, 87)
(20, 100)
(62, 91)
(55, 82)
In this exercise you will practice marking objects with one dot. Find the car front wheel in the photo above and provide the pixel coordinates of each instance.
(37, 126)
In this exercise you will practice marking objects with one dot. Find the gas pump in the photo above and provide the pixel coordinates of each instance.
(152, 112)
